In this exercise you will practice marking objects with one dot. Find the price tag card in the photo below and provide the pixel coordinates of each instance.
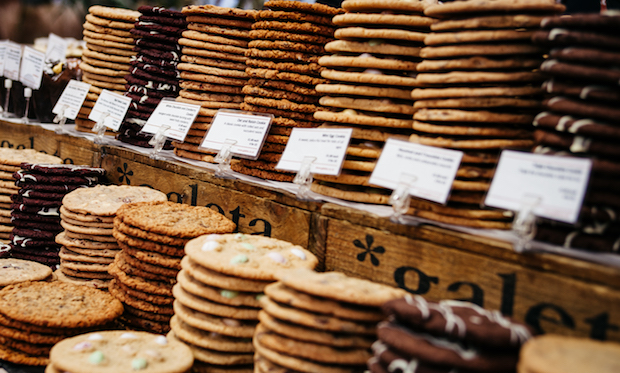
(12, 60)
(428, 170)
(71, 99)
(328, 146)
(112, 104)
(2, 56)
(558, 183)
(31, 71)
(56, 49)
(247, 129)
(178, 115)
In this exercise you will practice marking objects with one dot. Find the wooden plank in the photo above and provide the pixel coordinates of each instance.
(78, 154)
(22, 136)
(500, 250)
(547, 301)
(256, 215)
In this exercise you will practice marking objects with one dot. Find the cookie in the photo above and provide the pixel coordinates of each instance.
(110, 50)
(220, 325)
(15, 157)
(126, 15)
(54, 304)
(109, 22)
(221, 48)
(16, 271)
(478, 6)
(508, 21)
(105, 200)
(240, 255)
(223, 296)
(571, 70)
(208, 340)
(273, 35)
(220, 280)
(367, 61)
(308, 350)
(140, 284)
(154, 353)
(369, 77)
(201, 304)
(270, 74)
(204, 18)
(299, 299)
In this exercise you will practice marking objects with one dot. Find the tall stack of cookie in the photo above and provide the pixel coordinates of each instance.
(445, 337)
(36, 315)
(106, 57)
(36, 208)
(481, 70)
(88, 246)
(287, 41)
(318, 322)
(216, 303)
(212, 68)
(153, 70)
(152, 236)
(371, 73)
(582, 118)
(10, 161)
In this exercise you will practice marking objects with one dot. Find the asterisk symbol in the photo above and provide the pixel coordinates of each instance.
(368, 249)
(124, 174)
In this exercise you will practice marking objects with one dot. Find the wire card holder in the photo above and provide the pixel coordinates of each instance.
(100, 128)
(400, 199)
(223, 159)
(8, 84)
(27, 96)
(524, 224)
(61, 119)
(304, 178)
(158, 141)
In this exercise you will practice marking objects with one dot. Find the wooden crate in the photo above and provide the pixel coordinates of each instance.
(548, 301)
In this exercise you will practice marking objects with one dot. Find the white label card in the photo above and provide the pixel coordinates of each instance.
(56, 49)
(557, 184)
(2, 56)
(428, 170)
(113, 106)
(12, 60)
(328, 146)
(71, 99)
(247, 130)
(179, 116)
(31, 71)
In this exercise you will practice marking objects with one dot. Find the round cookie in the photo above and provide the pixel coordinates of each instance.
(14, 271)
(219, 280)
(105, 200)
(211, 308)
(152, 353)
(222, 296)
(209, 340)
(55, 304)
(226, 326)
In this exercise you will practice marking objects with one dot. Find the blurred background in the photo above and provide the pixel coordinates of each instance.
(24, 20)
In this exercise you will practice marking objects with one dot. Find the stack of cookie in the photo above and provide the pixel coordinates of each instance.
(560, 353)
(107, 54)
(153, 70)
(371, 77)
(480, 68)
(88, 246)
(583, 118)
(287, 41)
(152, 237)
(216, 299)
(316, 322)
(212, 68)
(151, 352)
(446, 336)
(35, 211)
(10, 161)
(36, 315)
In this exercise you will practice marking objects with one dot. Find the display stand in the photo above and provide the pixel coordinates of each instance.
(304, 178)
(223, 159)
(158, 141)
(27, 96)
(61, 119)
(8, 84)
(524, 224)
(100, 128)
(400, 198)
